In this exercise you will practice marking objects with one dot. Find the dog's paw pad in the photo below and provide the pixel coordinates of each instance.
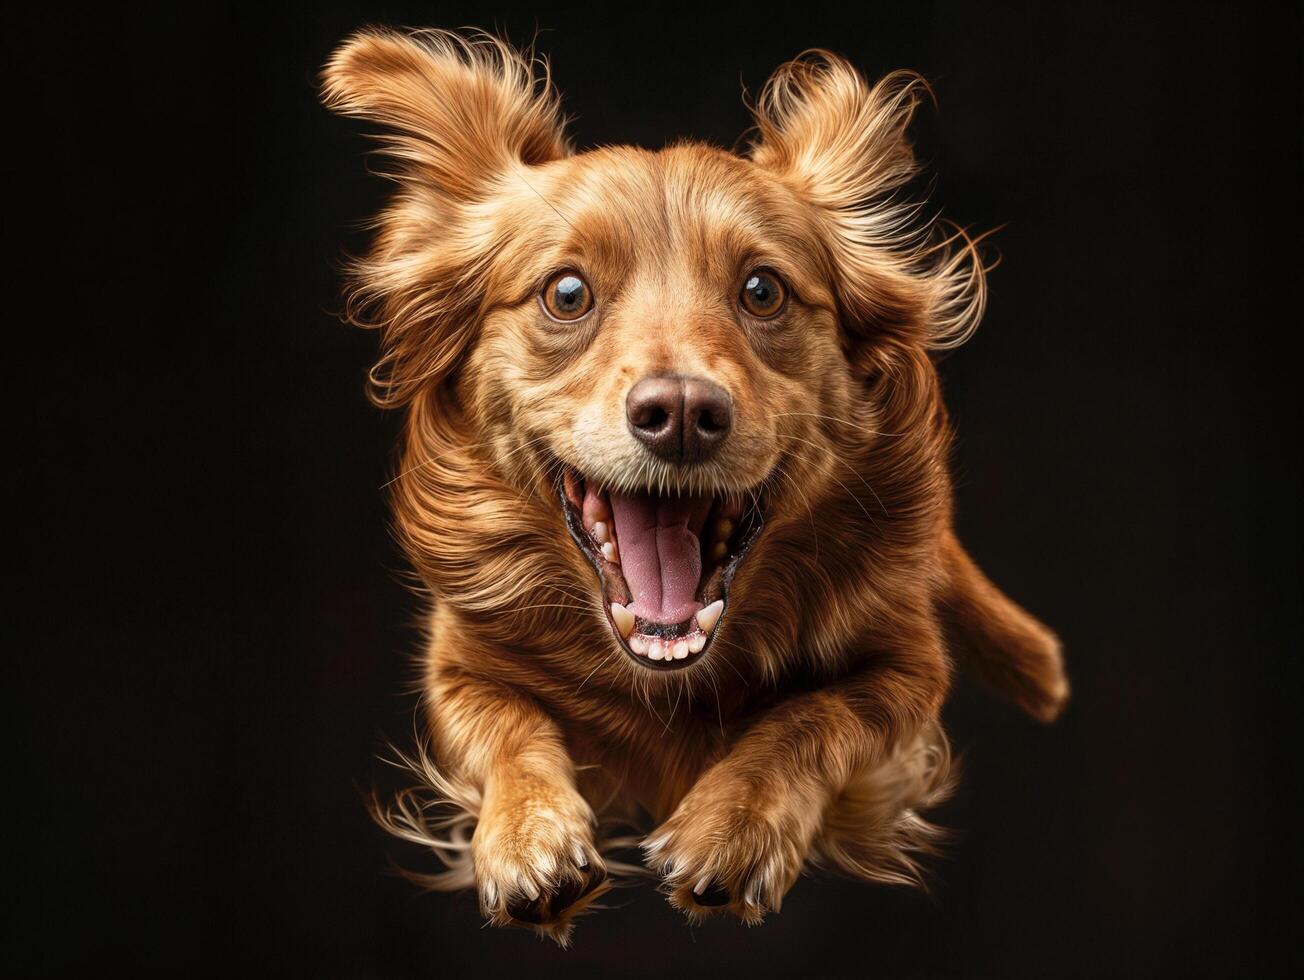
(573, 889)
(712, 897)
(554, 904)
(532, 912)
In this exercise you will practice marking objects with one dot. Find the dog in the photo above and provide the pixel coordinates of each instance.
(674, 471)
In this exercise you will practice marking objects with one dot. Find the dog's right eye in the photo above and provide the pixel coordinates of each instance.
(762, 294)
(567, 297)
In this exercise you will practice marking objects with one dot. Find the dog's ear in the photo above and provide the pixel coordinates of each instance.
(843, 148)
(460, 111)
(460, 116)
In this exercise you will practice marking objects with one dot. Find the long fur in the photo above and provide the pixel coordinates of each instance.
(810, 731)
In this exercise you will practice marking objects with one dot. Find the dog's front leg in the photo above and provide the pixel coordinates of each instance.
(739, 837)
(533, 850)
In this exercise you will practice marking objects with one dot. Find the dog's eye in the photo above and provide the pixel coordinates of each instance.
(567, 296)
(763, 294)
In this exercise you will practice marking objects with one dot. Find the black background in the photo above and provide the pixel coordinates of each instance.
(220, 634)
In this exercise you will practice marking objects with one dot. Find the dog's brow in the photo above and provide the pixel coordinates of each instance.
(545, 201)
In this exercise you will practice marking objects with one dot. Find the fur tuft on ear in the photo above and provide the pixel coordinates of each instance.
(461, 114)
(461, 109)
(843, 147)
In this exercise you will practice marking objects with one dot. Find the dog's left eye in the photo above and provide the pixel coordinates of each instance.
(762, 294)
(567, 296)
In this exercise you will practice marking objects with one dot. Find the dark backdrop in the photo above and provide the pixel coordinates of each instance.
(221, 635)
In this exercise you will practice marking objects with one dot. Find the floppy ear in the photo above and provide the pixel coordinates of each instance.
(843, 147)
(460, 115)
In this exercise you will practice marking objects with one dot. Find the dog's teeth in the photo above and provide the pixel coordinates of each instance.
(731, 507)
(610, 553)
(623, 618)
(600, 533)
(696, 642)
(655, 651)
(595, 508)
(724, 529)
(639, 645)
(719, 551)
(681, 650)
(710, 615)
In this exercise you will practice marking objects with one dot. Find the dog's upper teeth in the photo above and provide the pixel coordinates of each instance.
(723, 529)
(623, 618)
(638, 644)
(680, 650)
(610, 553)
(708, 616)
(595, 508)
(600, 533)
(730, 509)
(655, 650)
(720, 550)
(696, 642)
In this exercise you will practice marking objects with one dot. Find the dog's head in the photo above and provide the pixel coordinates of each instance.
(693, 355)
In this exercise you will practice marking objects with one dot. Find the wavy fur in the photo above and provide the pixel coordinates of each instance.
(809, 732)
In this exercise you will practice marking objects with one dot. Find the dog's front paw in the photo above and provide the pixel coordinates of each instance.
(734, 844)
(535, 862)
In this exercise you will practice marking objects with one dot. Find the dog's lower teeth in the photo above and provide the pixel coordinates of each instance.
(600, 532)
(723, 529)
(658, 648)
(719, 551)
(610, 553)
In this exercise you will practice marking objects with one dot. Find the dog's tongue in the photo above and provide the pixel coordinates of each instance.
(660, 552)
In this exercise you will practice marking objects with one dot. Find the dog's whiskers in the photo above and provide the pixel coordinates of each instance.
(600, 664)
(840, 421)
(814, 528)
(461, 449)
(836, 458)
(548, 605)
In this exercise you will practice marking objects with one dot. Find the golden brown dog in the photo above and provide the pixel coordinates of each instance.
(675, 473)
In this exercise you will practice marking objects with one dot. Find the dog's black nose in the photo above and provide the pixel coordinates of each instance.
(683, 420)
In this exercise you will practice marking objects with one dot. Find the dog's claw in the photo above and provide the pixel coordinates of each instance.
(581, 859)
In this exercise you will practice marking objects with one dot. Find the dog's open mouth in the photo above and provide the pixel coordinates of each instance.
(664, 561)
